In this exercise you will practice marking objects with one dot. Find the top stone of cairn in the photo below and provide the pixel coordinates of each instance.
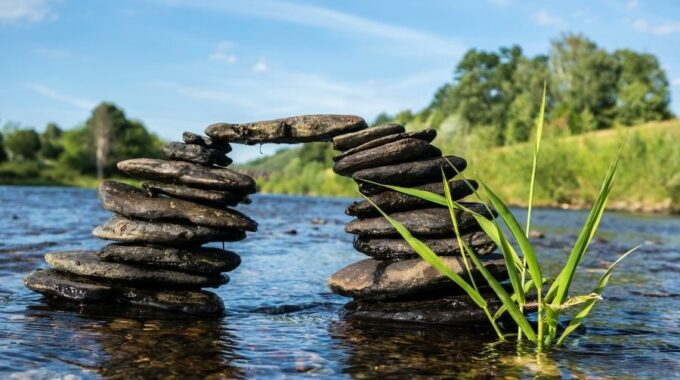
(292, 130)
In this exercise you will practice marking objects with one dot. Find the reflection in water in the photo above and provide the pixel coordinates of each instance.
(129, 343)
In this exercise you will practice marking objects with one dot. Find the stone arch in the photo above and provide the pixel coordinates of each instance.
(157, 258)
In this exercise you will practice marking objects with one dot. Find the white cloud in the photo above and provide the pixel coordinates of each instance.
(632, 4)
(663, 29)
(51, 93)
(676, 82)
(412, 41)
(260, 66)
(544, 18)
(500, 3)
(23, 10)
(222, 53)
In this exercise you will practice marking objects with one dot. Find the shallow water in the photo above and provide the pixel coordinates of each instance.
(282, 321)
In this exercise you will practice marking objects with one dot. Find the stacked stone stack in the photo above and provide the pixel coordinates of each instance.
(158, 259)
(395, 283)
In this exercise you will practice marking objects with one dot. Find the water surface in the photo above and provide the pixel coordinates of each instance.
(282, 321)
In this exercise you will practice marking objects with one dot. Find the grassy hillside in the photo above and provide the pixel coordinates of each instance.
(569, 174)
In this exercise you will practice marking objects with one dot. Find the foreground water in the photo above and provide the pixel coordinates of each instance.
(282, 321)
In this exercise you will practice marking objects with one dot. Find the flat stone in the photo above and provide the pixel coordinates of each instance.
(408, 173)
(126, 230)
(202, 260)
(379, 280)
(196, 139)
(189, 174)
(354, 139)
(425, 135)
(391, 200)
(423, 222)
(134, 203)
(88, 264)
(54, 285)
(219, 198)
(391, 153)
(399, 249)
(200, 302)
(196, 154)
(292, 130)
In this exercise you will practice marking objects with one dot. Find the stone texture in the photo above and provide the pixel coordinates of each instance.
(219, 198)
(189, 174)
(391, 200)
(423, 222)
(408, 173)
(88, 264)
(193, 138)
(126, 230)
(196, 154)
(198, 302)
(399, 249)
(354, 139)
(54, 285)
(391, 153)
(292, 130)
(379, 280)
(201, 260)
(132, 202)
(425, 135)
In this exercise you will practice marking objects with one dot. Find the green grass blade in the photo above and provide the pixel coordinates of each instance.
(590, 303)
(449, 203)
(422, 194)
(537, 147)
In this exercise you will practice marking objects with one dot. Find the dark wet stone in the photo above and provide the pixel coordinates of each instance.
(408, 173)
(126, 230)
(399, 249)
(54, 285)
(425, 135)
(196, 139)
(196, 154)
(88, 264)
(202, 260)
(354, 139)
(378, 280)
(395, 152)
(200, 302)
(423, 222)
(219, 198)
(189, 174)
(298, 129)
(134, 203)
(390, 200)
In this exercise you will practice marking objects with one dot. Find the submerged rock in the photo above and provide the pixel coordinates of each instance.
(425, 135)
(408, 173)
(122, 229)
(188, 174)
(291, 130)
(197, 154)
(423, 222)
(354, 139)
(394, 152)
(390, 200)
(193, 138)
(202, 260)
(132, 202)
(200, 302)
(378, 280)
(399, 249)
(210, 197)
(54, 285)
(88, 264)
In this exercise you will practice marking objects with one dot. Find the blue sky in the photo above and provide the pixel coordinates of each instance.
(183, 64)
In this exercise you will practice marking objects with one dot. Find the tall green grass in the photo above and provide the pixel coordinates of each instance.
(524, 269)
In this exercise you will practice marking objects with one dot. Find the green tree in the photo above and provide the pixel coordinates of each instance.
(529, 78)
(50, 142)
(22, 144)
(78, 150)
(3, 154)
(643, 92)
(382, 118)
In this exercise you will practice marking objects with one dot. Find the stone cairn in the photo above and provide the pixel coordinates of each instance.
(158, 259)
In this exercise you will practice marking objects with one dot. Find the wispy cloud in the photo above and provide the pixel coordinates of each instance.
(52, 53)
(23, 10)
(260, 66)
(329, 19)
(661, 29)
(544, 18)
(222, 52)
(51, 93)
(632, 4)
(676, 82)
